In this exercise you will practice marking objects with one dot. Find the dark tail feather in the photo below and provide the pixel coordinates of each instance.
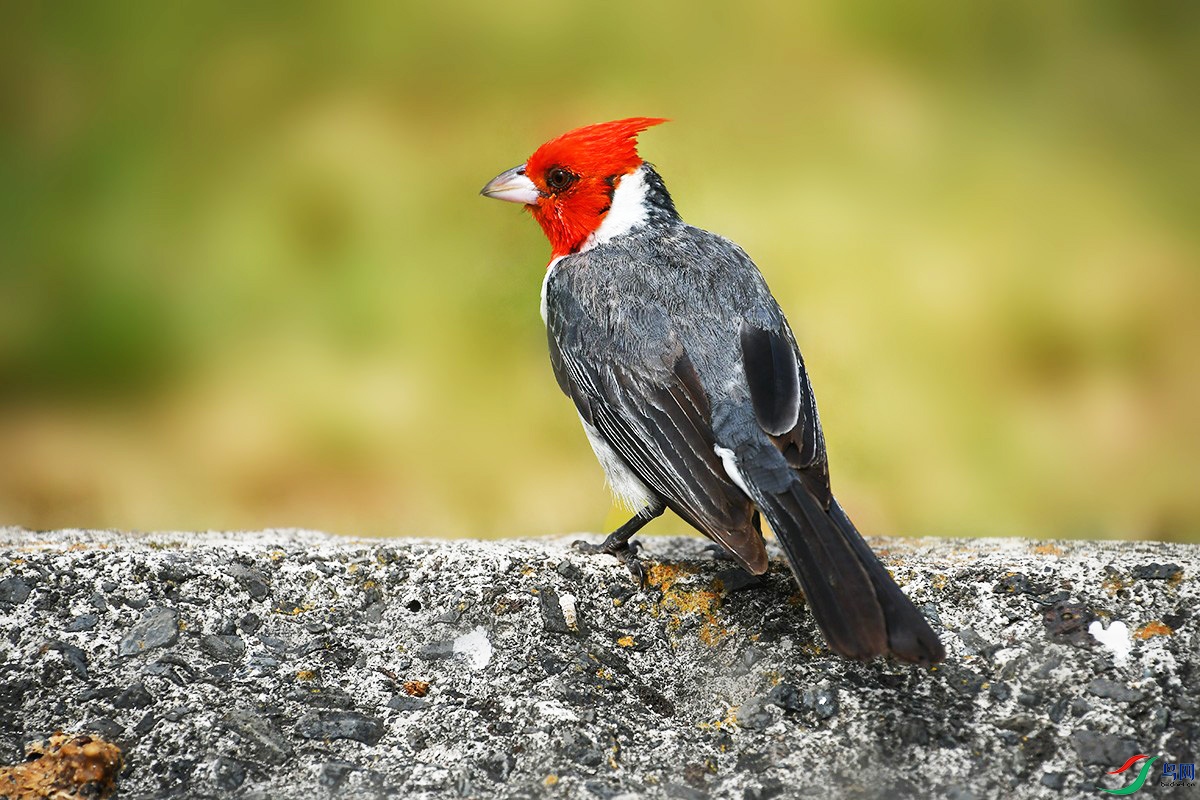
(857, 605)
(909, 636)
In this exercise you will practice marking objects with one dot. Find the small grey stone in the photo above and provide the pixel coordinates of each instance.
(223, 648)
(136, 603)
(145, 724)
(158, 627)
(787, 697)
(1102, 748)
(262, 740)
(134, 696)
(227, 773)
(1068, 623)
(106, 728)
(331, 774)
(553, 619)
(250, 623)
(173, 668)
(72, 656)
(340, 725)
(754, 715)
(176, 713)
(373, 613)
(1113, 690)
(1157, 572)
(98, 602)
(403, 702)
(436, 651)
(823, 702)
(84, 622)
(14, 591)
(251, 580)
(1054, 780)
(274, 644)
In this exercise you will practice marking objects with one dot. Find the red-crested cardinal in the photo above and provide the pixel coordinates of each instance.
(690, 385)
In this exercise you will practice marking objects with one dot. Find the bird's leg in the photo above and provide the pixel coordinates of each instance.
(617, 543)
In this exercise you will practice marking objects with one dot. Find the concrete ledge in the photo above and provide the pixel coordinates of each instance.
(289, 664)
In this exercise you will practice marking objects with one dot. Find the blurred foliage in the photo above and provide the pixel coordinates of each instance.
(246, 279)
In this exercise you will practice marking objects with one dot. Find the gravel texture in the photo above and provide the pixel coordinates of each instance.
(290, 664)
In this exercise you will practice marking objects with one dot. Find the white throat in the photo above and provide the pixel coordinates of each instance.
(628, 210)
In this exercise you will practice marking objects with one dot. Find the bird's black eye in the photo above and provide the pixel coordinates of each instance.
(558, 178)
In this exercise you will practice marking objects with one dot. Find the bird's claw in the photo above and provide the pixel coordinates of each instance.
(624, 551)
(719, 553)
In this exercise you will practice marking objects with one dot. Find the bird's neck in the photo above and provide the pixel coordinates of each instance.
(637, 199)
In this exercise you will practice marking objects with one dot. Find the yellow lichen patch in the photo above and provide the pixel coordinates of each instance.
(626, 641)
(1114, 583)
(664, 576)
(550, 780)
(727, 724)
(680, 602)
(1154, 628)
(939, 581)
(711, 634)
(65, 766)
(305, 675)
(292, 610)
(1048, 549)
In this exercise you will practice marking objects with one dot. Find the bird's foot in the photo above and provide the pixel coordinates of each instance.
(719, 553)
(621, 549)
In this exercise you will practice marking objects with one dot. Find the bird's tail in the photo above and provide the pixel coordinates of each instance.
(857, 605)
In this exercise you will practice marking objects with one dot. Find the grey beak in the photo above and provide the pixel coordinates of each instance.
(513, 186)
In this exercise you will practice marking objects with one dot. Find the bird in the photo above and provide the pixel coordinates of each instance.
(690, 385)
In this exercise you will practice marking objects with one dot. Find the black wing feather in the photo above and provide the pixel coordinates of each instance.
(660, 423)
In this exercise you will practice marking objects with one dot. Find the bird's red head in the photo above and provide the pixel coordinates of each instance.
(568, 183)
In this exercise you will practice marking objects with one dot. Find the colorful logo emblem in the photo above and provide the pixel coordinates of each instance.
(1178, 774)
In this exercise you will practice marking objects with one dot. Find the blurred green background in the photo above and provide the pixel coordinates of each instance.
(246, 279)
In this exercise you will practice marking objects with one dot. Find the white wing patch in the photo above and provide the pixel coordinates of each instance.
(729, 461)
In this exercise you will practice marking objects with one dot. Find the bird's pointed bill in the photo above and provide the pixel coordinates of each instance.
(513, 186)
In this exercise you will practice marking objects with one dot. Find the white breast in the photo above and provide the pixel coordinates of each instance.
(626, 487)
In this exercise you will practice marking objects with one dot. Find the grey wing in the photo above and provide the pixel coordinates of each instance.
(783, 400)
(656, 417)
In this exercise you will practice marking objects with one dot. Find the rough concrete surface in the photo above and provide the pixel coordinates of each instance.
(289, 664)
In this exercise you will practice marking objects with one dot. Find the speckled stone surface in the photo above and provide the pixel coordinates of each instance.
(289, 664)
